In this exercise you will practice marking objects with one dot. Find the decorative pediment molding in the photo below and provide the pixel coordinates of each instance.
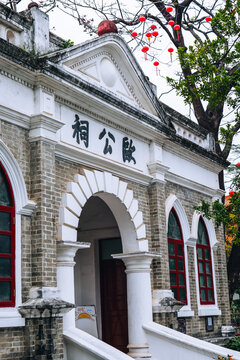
(105, 71)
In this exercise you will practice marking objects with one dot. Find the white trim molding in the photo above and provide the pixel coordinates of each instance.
(10, 317)
(205, 310)
(22, 203)
(173, 202)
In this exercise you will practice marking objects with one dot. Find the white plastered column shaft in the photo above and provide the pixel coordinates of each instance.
(65, 276)
(139, 300)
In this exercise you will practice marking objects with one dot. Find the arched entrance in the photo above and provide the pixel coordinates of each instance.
(124, 208)
(100, 280)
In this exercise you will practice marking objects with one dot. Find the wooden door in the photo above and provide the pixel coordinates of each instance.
(113, 296)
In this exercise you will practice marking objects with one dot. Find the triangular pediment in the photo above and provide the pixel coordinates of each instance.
(104, 71)
(109, 64)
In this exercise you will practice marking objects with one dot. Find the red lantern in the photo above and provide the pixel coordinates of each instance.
(156, 63)
(145, 50)
(169, 9)
(208, 18)
(134, 34)
(171, 50)
(171, 22)
(153, 27)
(155, 34)
(106, 27)
(142, 18)
(177, 27)
(148, 35)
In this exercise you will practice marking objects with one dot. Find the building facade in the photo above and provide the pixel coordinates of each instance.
(98, 183)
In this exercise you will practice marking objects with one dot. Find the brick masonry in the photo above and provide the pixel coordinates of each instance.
(46, 177)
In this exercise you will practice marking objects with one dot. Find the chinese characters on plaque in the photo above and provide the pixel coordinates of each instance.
(81, 131)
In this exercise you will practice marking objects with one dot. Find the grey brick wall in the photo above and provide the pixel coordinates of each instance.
(46, 178)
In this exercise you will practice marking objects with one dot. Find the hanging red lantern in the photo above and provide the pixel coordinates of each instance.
(142, 18)
(169, 9)
(177, 27)
(153, 27)
(134, 34)
(145, 50)
(171, 22)
(155, 34)
(171, 50)
(148, 35)
(208, 18)
(156, 63)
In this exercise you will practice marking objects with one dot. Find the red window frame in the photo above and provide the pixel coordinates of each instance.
(204, 262)
(11, 255)
(177, 257)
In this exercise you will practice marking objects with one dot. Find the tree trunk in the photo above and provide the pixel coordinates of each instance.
(233, 269)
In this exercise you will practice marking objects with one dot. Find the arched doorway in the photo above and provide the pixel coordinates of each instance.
(100, 280)
(120, 200)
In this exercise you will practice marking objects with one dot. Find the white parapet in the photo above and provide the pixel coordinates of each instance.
(166, 343)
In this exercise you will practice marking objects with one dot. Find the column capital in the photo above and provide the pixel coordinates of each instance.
(44, 127)
(66, 251)
(137, 261)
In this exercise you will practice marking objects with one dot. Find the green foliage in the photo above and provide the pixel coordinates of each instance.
(226, 214)
(208, 62)
(66, 44)
(234, 343)
(235, 309)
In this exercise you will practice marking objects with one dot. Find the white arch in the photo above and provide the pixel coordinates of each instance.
(173, 202)
(22, 204)
(118, 197)
(205, 310)
(210, 229)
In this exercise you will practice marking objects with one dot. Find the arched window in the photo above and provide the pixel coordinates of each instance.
(204, 260)
(176, 258)
(10, 37)
(7, 241)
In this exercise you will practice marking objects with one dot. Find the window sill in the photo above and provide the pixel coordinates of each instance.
(185, 311)
(209, 310)
(10, 317)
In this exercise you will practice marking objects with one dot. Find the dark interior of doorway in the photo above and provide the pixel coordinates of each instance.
(113, 295)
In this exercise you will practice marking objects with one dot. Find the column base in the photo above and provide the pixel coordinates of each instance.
(139, 351)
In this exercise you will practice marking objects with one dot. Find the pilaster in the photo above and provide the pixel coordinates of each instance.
(42, 139)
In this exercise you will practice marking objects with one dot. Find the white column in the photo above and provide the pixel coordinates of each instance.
(139, 298)
(66, 251)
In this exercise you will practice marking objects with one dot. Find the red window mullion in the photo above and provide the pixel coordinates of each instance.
(204, 261)
(177, 271)
(11, 233)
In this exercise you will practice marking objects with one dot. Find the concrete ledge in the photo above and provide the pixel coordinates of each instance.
(174, 344)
